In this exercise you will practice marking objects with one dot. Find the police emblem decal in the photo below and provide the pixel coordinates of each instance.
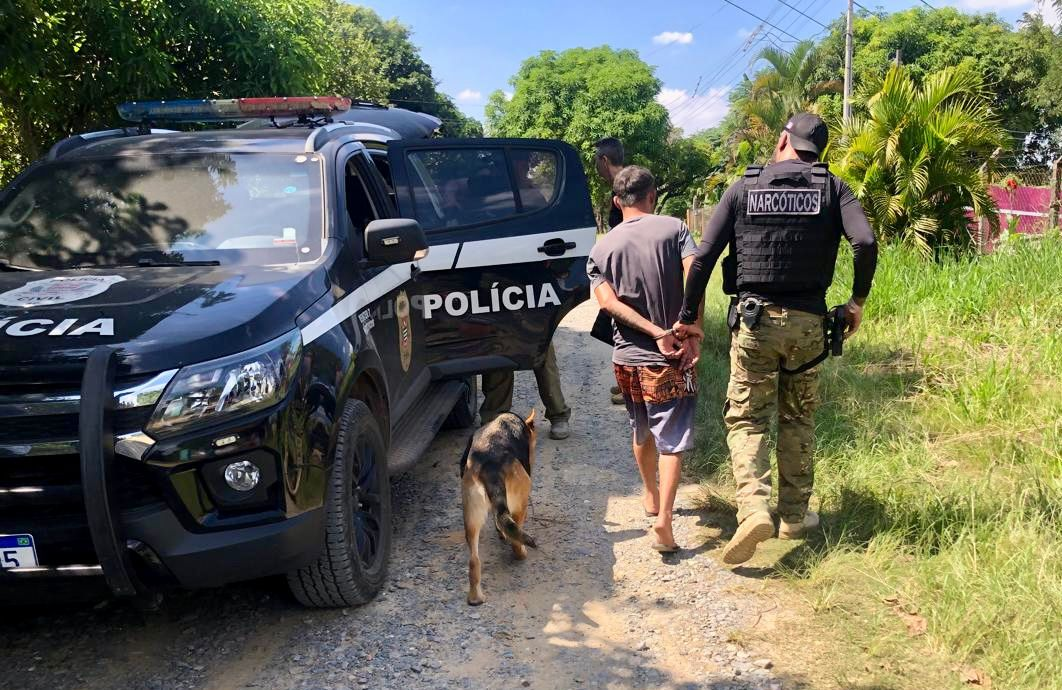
(784, 202)
(405, 331)
(60, 290)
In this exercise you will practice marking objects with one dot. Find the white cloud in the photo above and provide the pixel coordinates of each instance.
(694, 113)
(1052, 16)
(1011, 7)
(667, 37)
(508, 95)
(469, 96)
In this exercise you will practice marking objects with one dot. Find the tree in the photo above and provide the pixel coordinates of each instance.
(680, 173)
(787, 85)
(919, 158)
(411, 84)
(356, 64)
(1012, 63)
(67, 64)
(1047, 93)
(581, 95)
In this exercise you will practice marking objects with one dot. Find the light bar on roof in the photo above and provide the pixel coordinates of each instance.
(200, 110)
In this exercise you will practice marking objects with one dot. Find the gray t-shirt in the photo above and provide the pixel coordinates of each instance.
(641, 259)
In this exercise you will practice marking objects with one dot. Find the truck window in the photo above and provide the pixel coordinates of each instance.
(359, 207)
(240, 208)
(383, 166)
(535, 173)
(460, 187)
(457, 187)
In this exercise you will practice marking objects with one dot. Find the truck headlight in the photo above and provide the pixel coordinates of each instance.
(213, 391)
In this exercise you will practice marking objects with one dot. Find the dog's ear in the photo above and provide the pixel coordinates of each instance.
(530, 421)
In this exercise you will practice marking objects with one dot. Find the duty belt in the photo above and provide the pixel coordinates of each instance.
(750, 310)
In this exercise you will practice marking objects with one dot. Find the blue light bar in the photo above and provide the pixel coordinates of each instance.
(205, 110)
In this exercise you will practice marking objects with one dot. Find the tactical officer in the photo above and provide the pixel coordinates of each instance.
(783, 225)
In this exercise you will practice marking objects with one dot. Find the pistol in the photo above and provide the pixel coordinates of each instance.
(838, 324)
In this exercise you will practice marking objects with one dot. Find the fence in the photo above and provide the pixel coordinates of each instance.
(1026, 200)
(697, 218)
(1024, 207)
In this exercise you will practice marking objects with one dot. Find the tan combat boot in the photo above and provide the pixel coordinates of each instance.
(756, 528)
(797, 530)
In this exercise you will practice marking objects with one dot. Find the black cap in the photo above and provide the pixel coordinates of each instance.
(807, 132)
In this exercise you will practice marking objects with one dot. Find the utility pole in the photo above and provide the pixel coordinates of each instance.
(899, 58)
(848, 64)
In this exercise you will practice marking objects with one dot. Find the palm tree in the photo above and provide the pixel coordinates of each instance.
(920, 160)
(785, 86)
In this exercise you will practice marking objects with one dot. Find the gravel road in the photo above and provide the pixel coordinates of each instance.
(593, 607)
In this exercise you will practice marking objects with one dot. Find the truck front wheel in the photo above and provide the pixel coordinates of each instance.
(352, 566)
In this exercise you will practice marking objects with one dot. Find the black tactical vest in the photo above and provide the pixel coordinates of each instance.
(786, 234)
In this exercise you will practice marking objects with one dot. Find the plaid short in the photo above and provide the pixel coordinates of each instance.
(655, 384)
(662, 403)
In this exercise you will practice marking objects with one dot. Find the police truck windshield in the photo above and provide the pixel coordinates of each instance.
(149, 210)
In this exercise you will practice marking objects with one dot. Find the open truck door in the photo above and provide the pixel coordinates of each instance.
(510, 226)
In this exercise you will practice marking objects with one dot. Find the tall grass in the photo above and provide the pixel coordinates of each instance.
(939, 467)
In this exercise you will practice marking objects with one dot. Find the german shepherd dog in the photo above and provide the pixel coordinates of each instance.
(496, 477)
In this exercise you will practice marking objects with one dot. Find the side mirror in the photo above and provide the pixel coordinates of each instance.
(394, 241)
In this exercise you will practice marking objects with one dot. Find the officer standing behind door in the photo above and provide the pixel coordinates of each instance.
(783, 224)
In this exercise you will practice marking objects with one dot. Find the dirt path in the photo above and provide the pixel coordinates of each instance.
(594, 607)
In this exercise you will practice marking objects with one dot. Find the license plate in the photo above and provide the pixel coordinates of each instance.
(17, 551)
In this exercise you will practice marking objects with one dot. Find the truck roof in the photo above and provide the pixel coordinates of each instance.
(370, 123)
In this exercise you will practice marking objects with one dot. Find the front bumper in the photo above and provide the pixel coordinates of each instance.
(212, 559)
(160, 552)
(162, 519)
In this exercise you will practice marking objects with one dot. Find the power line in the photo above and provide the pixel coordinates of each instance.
(754, 37)
(802, 14)
(762, 20)
(727, 64)
(689, 30)
(766, 36)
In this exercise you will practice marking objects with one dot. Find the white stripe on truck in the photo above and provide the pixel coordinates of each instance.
(494, 252)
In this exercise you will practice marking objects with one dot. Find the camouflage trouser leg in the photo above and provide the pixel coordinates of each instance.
(756, 392)
(797, 399)
(497, 387)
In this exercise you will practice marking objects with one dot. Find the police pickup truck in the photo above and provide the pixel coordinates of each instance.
(217, 346)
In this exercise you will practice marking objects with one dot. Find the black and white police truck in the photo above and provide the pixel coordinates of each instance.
(217, 346)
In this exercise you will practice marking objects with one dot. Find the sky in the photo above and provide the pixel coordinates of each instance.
(699, 49)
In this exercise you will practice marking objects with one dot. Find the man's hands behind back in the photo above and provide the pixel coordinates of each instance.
(689, 336)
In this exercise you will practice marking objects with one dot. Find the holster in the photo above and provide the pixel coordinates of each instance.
(732, 315)
(750, 310)
(833, 327)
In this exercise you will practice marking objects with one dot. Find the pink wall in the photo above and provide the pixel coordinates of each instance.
(1036, 199)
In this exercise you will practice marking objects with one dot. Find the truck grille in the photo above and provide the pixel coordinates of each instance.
(64, 427)
(40, 469)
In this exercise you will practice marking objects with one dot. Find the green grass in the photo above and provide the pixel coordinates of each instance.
(939, 468)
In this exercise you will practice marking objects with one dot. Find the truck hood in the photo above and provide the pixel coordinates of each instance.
(159, 317)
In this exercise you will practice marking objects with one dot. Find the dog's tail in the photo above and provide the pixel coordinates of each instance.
(503, 520)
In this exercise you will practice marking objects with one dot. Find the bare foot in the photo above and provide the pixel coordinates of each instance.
(664, 535)
(651, 503)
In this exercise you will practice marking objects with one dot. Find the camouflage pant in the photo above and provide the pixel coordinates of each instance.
(498, 391)
(756, 391)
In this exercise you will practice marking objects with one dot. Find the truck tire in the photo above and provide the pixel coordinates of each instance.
(463, 415)
(352, 566)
